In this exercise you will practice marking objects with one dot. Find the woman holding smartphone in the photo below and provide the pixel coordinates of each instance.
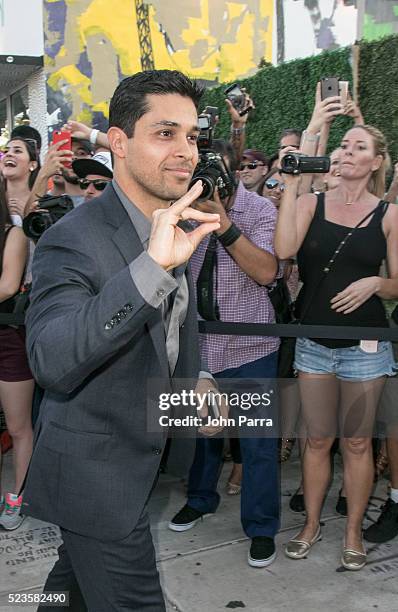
(341, 238)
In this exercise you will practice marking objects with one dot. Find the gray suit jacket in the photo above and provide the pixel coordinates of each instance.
(93, 342)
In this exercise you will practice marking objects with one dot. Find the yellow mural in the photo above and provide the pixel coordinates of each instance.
(92, 44)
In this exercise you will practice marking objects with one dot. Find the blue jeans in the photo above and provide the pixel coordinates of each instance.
(260, 482)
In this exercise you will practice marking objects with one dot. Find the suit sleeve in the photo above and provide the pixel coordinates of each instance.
(75, 324)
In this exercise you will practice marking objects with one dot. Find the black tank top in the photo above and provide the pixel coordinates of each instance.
(360, 257)
(7, 306)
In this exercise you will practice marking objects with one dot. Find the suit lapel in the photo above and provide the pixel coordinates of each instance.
(127, 241)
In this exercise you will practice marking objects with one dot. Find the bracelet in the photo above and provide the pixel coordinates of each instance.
(238, 130)
(230, 235)
(93, 136)
(310, 137)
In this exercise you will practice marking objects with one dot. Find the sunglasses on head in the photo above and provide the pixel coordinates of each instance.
(272, 183)
(98, 184)
(30, 141)
(251, 165)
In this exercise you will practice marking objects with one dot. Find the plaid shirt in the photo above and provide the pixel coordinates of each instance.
(240, 298)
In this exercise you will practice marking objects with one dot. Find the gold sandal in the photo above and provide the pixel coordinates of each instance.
(286, 449)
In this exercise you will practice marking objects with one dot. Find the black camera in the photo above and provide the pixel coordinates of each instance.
(36, 223)
(211, 168)
(296, 163)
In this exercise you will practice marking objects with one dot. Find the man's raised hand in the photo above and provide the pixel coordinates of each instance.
(169, 245)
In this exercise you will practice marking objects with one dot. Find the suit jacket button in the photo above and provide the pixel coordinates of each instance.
(157, 451)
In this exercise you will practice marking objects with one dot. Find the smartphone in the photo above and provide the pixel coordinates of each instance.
(329, 87)
(59, 135)
(343, 90)
(236, 96)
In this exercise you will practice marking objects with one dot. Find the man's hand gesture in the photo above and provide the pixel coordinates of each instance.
(169, 245)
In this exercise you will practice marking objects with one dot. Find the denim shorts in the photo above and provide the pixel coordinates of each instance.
(351, 363)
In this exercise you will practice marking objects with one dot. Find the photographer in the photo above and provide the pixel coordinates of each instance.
(243, 265)
(253, 168)
(55, 167)
(94, 174)
(341, 238)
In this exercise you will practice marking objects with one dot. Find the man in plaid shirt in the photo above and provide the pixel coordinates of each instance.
(245, 264)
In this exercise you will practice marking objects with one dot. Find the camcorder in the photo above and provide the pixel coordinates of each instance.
(296, 163)
(211, 168)
(36, 223)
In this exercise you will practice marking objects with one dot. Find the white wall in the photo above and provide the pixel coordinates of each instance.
(303, 37)
(21, 27)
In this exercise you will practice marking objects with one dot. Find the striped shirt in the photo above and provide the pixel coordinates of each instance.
(240, 298)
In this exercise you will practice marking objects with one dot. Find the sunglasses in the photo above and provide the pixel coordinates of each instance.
(272, 183)
(250, 166)
(98, 184)
(29, 141)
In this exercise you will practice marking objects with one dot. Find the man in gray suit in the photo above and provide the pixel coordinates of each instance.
(111, 309)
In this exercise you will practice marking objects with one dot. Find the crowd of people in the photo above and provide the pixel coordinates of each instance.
(113, 304)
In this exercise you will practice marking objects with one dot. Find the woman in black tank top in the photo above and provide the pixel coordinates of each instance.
(341, 380)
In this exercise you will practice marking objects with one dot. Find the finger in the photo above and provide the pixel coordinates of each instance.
(199, 215)
(197, 235)
(217, 198)
(348, 308)
(331, 100)
(57, 145)
(187, 199)
(341, 300)
(318, 93)
(208, 430)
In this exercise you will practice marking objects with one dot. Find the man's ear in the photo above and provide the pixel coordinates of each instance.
(118, 142)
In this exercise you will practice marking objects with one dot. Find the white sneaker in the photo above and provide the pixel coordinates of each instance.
(11, 517)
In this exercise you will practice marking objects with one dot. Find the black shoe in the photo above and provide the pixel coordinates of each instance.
(296, 503)
(386, 527)
(185, 519)
(262, 551)
(341, 505)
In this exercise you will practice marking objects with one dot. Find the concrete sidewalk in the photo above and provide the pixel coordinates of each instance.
(205, 569)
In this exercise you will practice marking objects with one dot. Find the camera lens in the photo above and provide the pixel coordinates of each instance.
(35, 224)
(208, 187)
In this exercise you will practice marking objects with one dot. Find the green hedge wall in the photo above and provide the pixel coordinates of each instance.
(284, 95)
(378, 88)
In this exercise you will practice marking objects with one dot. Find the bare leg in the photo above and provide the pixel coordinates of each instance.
(319, 402)
(359, 401)
(16, 399)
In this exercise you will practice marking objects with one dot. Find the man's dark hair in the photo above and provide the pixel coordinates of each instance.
(225, 149)
(291, 132)
(129, 102)
(26, 131)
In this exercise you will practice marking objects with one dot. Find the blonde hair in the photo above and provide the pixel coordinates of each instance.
(377, 181)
